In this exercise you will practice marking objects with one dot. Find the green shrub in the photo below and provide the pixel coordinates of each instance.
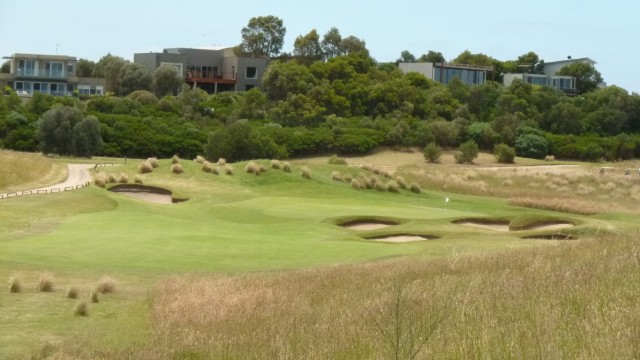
(432, 153)
(532, 146)
(504, 153)
(335, 160)
(468, 152)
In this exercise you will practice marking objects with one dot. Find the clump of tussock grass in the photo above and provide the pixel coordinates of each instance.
(45, 283)
(347, 177)
(94, 296)
(305, 173)
(336, 160)
(549, 158)
(228, 170)
(369, 182)
(100, 180)
(392, 186)
(336, 176)
(572, 206)
(199, 159)
(286, 167)
(153, 161)
(72, 292)
(81, 308)
(357, 184)
(387, 174)
(207, 167)
(222, 162)
(146, 167)
(137, 179)
(123, 178)
(415, 188)
(252, 167)
(106, 285)
(366, 167)
(15, 284)
(380, 186)
(177, 168)
(276, 164)
(175, 159)
(401, 182)
(111, 178)
(262, 168)
(215, 171)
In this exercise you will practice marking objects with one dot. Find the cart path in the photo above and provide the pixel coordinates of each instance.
(78, 176)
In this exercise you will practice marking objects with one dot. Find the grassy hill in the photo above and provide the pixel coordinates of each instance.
(257, 266)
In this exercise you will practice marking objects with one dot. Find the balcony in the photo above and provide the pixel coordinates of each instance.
(40, 73)
(208, 78)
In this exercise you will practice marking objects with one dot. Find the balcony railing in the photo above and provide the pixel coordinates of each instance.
(41, 73)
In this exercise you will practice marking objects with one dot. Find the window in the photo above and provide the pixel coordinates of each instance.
(55, 69)
(70, 68)
(251, 73)
(26, 67)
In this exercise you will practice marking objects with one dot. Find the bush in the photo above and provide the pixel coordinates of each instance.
(154, 162)
(145, 167)
(468, 152)
(432, 153)
(106, 285)
(176, 169)
(81, 308)
(335, 160)
(45, 283)
(504, 153)
(286, 167)
(305, 173)
(414, 187)
(72, 292)
(15, 284)
(531, 146)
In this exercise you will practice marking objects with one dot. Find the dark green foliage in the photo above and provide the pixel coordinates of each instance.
(356, 141)
(66, 131)
(531, 146)
(468, 152)
(483, 134)
(432, 153)
(504, 153)
(166, 81)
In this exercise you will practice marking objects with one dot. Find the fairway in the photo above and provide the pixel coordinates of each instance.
(231, 224)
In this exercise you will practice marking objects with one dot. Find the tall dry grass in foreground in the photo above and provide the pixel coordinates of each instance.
(21, 171)
(577, 299)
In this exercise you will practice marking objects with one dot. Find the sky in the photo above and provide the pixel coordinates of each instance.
(605, 31)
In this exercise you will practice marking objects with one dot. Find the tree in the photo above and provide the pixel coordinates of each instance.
(566, 118)
(468, 152)
(308, 46)
(134, 77)
(166, 81)
(108, 67)
(65, 131)
(406, 57)
(504, 153)
(531, 146)
(331, 43)
(587, 77)
(282, 78)
(262, 37)
(352, 44)
(6, 67)
(432, 57)
(85, 68)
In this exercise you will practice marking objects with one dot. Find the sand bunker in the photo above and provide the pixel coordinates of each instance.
(367, 226)
(556, 226)
(550, 237)
(400, 238)
(487, 226)
(502, 226)
(152, 194)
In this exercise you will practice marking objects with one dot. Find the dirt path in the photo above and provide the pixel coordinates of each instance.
(78, 177)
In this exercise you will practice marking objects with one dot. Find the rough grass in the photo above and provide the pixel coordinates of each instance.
(177, 168)
(123, 178)
(153, 162)
(286, 167)
(111, 178)
(106, 285)
(93, 295)
(146, 167)
(22, 171)
(228, 170)
(199, 159)
(222, 162)
(276, 164)
(252, 168)
(100, 180)
(45, 283)
(15, 284)
(137, 179)
(72, 292)
(175, 159)
(81, 308)
(305, 173)
(336, 176)
(207, 166)
(336, 160)
(557, 204)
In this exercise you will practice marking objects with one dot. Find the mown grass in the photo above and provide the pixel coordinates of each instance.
(238, 224)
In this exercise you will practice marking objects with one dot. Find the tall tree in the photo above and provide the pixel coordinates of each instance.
(262, 37)
(108, 67)
(85, 68)
(6, 67)
(331, 43)
(166, 81)
(432, 57)
(587, 77)
(352, 44)
(308, 46)
(406, 57)
(134, 77)
(64, 130)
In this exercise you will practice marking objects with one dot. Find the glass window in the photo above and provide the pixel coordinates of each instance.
(70, 68)
(251, 72)
(56, 69)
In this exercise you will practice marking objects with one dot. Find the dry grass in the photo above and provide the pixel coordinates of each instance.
(106, 285)
(392, 186)
(177, 168)
(72, 292)
(276, 164)
(100, 180)
(286, 167)
(15, 284)
(222, 162)
(81, 308)
(228, 170)
(200, 160)
(146, 167)
(336, 176)
(154, 162)
(137, 179)
(336, 160)
(215, 171)
(207, 166)
(252, 167)
(94, 296)
(123, 178)
(175, 159)
(111, 178)
(305, 173)
(574, 300)
(558, 204)
(22, 170)
(415, 188)
(45, 283)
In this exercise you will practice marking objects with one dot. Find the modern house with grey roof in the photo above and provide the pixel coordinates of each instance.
(445, 72)
(212, 70)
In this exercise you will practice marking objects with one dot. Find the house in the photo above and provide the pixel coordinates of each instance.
(445, 72)
(551, 68)
(212, 70)
(48, 74)
(566, 84)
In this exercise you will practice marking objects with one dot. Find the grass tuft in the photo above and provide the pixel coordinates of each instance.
(154, 162)
(72, 292)
(111, 178)
(336, 160)
(123, 178)
(276, 164)
(286, 167)
(336, 176)
(228, 170)
(357, 184)
(106, 285)
(175, 159)
(94, 297)
(252, 168)
(137, 179)
(557, 204)
(100, 180)
(402, 182)
(380, 186)
(45, 283)
(200, 160)
(177, 169)
(415, 188)
(207, 167)
(392, 186)
(215, 171)
(15, 284)
(81, 308)
(222, 162)
(146, 167)
(305, 173)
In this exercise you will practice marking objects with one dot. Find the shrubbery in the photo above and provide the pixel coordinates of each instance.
(432, 153)
(531, 146)
(468, 152)
(504, 153)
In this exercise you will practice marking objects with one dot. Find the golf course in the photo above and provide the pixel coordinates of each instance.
(377, 256)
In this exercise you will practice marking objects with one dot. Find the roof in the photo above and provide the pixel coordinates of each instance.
(568, 61)
(41, 56)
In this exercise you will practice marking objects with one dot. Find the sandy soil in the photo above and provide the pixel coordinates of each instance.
(400, 238)
(367, 226)
(501, 227)
(150, 197)
(551, 227)
(78, 175)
